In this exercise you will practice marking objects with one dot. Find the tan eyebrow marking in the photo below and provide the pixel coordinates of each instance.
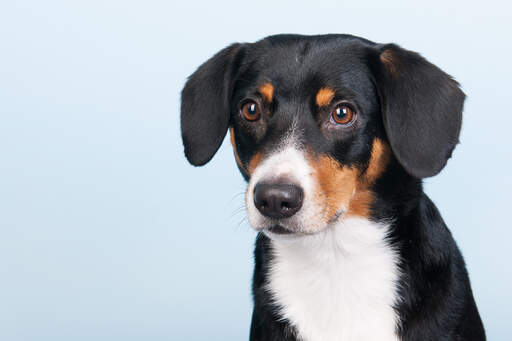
(267, 91)
(324, 96)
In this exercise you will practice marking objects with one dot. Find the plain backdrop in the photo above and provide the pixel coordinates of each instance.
(106, 233)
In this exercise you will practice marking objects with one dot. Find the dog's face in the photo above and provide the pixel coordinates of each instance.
(315, 122)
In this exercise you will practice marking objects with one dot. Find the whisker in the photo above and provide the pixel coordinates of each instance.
(243, 220)
(237, 212)
(236, 196)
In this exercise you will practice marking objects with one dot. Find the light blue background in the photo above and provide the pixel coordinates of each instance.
(106, 233)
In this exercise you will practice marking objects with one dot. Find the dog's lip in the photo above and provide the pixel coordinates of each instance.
(278, 229)
(281, 230)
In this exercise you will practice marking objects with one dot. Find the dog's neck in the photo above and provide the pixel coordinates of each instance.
(339, 284)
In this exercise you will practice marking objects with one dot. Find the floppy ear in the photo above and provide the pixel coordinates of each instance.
(421, 108)
(205, 105)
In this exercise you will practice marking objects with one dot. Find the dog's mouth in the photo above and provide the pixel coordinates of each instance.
(278, 229)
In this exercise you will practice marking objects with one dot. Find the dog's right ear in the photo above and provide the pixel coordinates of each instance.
(205, 105)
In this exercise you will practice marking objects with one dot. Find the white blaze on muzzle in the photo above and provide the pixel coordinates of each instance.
(288, 165)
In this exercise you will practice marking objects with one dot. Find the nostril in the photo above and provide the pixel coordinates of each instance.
(285, 204)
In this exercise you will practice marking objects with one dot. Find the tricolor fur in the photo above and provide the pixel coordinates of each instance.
(334, 134)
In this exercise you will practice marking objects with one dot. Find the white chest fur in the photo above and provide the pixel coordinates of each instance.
(338, 285)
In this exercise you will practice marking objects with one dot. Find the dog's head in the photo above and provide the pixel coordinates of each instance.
(316, 121)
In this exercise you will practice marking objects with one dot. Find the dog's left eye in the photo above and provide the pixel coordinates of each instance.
(250, 111)
(343, 114)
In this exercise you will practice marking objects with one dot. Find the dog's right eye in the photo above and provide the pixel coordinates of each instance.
(250, 111)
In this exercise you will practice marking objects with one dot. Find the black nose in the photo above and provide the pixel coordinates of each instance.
(278, 200)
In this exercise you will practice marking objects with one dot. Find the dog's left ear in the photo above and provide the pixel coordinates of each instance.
(205, 105)
(421, 108)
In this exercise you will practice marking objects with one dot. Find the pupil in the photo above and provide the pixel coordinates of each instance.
(341, 113)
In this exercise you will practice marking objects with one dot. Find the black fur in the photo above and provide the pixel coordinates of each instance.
(421, 109)
(403, 100)
(205, 106)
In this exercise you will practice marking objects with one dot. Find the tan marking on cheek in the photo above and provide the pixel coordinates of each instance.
(255, 161)
(379, 160)
(267, 91)
(361, 203)
(336, 184)
(347, 187)
(233, 143)
(324, 97)
(364, 197)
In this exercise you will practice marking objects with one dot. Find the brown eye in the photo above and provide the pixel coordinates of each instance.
(343, 114)
(251, 111)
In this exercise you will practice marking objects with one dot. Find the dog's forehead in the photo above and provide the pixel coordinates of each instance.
(292, 63)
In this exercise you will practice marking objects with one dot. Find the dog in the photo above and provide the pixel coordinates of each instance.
(334, 134)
